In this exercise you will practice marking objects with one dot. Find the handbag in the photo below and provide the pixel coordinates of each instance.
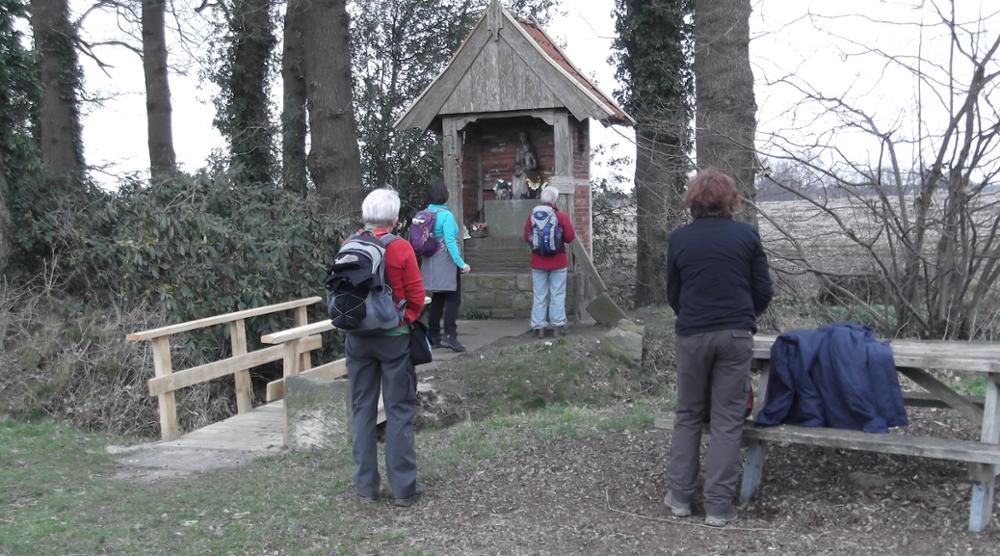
(420, 344)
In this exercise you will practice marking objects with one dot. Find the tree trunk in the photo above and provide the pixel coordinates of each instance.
(250, 127)
(293, 112)
(725, 107)
(334, 159)
(162, 161)
(652, 62)
(6, 225)
(59, 75)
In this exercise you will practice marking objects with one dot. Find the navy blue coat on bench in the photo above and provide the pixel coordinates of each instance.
(839, 376)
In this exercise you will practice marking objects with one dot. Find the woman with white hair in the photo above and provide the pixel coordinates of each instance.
(548, 231)
(382, 362)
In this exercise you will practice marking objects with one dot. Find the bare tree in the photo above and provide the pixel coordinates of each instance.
(293, 111)
(162, 160)
(334, 159)
(923, 219)
(725, 107)
(59, 74)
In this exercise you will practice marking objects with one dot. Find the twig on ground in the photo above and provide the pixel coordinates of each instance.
(607, 499)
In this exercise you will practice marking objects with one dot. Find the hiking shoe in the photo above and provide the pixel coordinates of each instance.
(418, 490)
(539, 333)
(367, 499)
(719, 520)
(451, 342)
(562, 330)
(435, 341)
(677, 509)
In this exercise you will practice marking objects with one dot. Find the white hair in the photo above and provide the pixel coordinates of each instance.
(550, 194)
(380, 208)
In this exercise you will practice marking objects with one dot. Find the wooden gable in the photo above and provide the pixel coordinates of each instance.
(507, 64)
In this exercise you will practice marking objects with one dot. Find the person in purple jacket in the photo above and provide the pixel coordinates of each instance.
(717, 284)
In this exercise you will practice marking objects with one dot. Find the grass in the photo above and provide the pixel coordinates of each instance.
(58, 494)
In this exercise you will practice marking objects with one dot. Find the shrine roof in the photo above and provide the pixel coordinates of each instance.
(509, 64)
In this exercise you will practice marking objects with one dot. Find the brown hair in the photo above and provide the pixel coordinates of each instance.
(712, 193)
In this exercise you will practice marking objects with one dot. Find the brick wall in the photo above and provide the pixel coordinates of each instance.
(581, 148)
(581, 215)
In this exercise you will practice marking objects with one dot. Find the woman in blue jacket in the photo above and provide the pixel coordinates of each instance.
(442, 272)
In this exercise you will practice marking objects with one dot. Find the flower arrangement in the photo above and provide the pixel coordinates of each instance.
(504, 190)
(535, 187)
(477, 229)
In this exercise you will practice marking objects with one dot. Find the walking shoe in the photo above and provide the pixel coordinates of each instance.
(719, 520)
(367, 499)
(418, 490)
(451, 341)
(539, 332)
(677, 509)
(435, 341)
(562, 330)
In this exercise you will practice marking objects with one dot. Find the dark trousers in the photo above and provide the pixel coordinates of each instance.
(445, 303)
(712, 373)
(374, 362)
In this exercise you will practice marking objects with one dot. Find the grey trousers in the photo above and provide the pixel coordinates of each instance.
(713, 369)
(374, 361)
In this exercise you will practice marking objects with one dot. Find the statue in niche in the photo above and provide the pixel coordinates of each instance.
(525, 167)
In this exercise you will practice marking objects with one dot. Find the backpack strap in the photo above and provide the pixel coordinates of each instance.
(387, 238)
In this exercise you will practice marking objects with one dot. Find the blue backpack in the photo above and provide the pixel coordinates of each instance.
(546, 233)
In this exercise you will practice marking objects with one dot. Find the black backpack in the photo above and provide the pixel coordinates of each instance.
(359, 300)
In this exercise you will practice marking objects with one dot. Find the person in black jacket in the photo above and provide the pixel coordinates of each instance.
(717, 284)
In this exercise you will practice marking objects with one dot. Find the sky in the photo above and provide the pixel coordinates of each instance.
(815, 42)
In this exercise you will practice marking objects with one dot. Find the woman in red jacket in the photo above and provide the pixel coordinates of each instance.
(548, 231)
(382, 361)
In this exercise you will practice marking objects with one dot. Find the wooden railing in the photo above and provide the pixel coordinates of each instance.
(295, 354)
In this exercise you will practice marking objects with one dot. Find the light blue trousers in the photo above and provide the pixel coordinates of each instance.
(551, 284)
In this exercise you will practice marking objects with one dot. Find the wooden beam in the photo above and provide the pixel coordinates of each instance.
(166, 384)
(244, 390)
(297, 332)
(926, 399)
(163, 368)
(220, 319)
(968, 451)
(972, 357)
(563, 144)
(944, 393)
(329, 371)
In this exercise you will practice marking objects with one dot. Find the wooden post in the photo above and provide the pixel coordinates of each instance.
(301, 319)
(983, 486)
(162, 366)
(452, 146)
(752, 470)
(290, 360)
(244, 390)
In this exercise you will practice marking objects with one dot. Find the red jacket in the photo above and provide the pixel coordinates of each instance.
(403, 275)
(559, 260)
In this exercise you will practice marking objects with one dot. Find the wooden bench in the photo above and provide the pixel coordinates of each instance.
(915, 360)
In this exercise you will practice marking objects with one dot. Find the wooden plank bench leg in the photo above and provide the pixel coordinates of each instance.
(983, 476)
(983, 488)
(752, 469)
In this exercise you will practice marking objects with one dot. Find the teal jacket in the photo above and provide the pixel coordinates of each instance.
(446, 227)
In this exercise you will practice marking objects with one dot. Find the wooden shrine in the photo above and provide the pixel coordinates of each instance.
(513, 114)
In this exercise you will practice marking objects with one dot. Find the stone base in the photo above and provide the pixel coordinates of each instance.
(505, 296)
(317, 412)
